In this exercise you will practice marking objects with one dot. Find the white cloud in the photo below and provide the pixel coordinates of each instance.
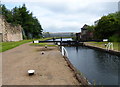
(51, 1)
(66, 15)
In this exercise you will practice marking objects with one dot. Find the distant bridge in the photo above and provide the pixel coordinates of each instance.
(59, 34)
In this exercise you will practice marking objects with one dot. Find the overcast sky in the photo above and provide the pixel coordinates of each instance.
(66, 15)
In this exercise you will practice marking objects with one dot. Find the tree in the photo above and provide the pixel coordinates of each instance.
(108, 27)
(21, 16)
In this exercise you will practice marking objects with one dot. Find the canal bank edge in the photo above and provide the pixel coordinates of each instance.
(102, 49)
(81, 79)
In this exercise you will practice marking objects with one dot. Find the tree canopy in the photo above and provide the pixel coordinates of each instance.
(108, 27)
(20, 15)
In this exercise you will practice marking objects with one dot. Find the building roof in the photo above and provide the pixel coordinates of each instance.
(84, 27)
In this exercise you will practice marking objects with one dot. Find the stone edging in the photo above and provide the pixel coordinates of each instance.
(105, 50)
(79, 77)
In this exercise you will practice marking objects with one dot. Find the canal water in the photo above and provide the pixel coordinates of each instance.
(98, 67)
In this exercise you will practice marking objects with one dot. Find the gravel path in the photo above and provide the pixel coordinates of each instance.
(50, 68)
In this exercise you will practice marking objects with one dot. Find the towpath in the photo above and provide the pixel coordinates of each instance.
(50, 68)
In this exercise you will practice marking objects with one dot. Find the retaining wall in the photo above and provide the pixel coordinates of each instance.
(8, 32)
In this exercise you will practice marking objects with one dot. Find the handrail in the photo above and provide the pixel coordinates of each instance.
(64, 51)
(109, 46)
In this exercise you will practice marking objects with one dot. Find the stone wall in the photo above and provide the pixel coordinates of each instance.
(8, 32)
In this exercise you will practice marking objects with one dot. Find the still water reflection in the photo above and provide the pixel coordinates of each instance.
(96, 66)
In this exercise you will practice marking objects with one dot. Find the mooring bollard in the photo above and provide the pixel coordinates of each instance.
(31, 72)
(42, 52)
(45, 46)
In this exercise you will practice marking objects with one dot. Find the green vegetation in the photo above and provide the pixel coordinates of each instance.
(107, 27)
(42, 39)
(48, 38)
(9, 45)
(116, 45)
(42, 44)
(21, 16)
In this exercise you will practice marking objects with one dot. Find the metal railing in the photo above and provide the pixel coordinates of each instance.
(64, 51)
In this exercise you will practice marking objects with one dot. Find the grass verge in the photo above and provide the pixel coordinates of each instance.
(9, 45)
(43, 39)
(116, 45)
(42, 44)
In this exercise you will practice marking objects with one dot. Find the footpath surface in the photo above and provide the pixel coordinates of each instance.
(50, 68)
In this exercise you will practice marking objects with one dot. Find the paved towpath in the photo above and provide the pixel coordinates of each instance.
(50, 68)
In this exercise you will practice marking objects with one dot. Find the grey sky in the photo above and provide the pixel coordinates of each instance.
(66, 15)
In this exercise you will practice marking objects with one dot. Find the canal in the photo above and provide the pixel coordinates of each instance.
(98, 67)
